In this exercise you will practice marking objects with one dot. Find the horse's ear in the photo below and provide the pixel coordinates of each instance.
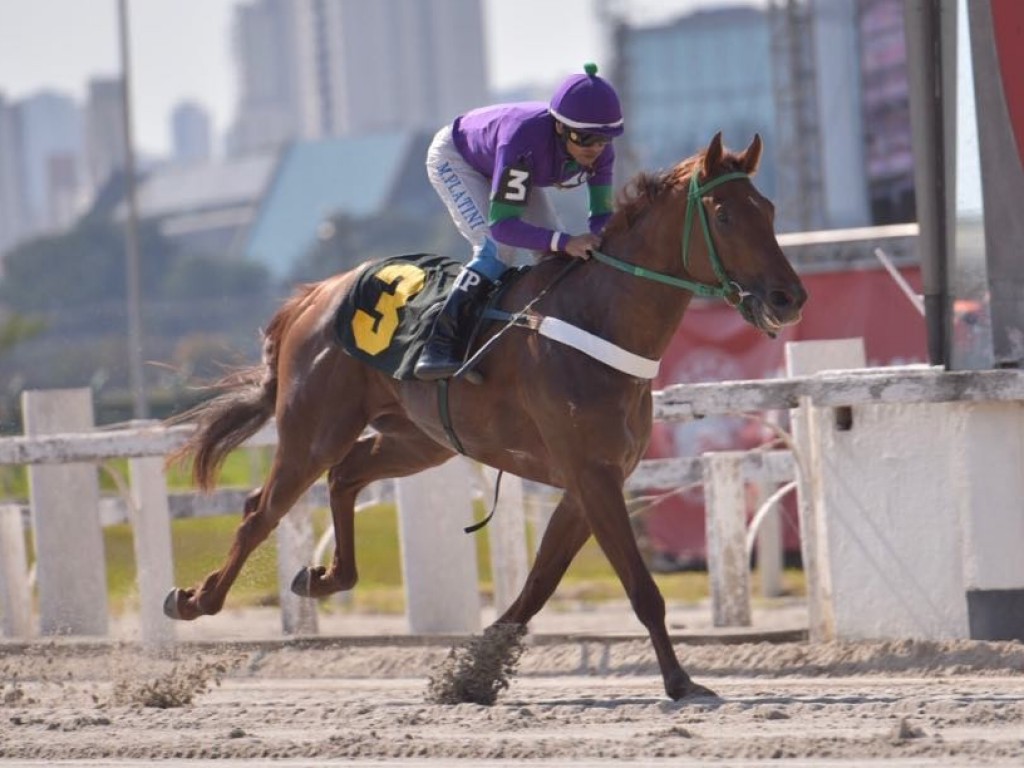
(751, 157)
(713, 155)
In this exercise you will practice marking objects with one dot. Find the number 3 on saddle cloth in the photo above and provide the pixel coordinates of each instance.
(385, 320)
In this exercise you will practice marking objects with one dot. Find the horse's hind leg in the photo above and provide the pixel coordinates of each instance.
(566, 533)
(294, 469)
(399, 449)
(264, 510)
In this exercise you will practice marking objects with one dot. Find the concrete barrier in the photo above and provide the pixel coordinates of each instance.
(916, 508)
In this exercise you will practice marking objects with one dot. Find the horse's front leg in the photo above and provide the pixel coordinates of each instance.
(478, 671)
(600, 491)
(565, 534)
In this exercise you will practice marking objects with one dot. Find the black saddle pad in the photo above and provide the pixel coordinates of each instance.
(386, 318)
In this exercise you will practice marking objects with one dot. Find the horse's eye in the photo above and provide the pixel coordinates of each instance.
(722, 214)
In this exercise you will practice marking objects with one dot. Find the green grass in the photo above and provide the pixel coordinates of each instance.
(201, 544)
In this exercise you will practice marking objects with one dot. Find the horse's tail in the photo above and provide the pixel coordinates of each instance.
(245, 404)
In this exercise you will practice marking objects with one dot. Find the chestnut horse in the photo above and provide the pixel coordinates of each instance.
(546, 411)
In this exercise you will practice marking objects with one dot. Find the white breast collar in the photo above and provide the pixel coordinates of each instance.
(610, 354)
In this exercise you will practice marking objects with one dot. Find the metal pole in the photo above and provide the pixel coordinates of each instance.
(140, 408)
(931, 64)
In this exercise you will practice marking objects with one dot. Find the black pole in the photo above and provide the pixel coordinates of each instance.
(133, 301)
(931, 66)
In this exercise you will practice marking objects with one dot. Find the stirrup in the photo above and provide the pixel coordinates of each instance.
(430, 370)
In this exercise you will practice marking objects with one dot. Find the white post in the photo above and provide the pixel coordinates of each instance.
(769, 546)
(151, 537)
(726, 520)
(70, 562)
(15, 593)
(438, 558)
(539, 509)
(990, 464)
(805, 358)
(507, 538)
(294, 551)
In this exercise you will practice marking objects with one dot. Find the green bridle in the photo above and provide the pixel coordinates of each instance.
(725, 287)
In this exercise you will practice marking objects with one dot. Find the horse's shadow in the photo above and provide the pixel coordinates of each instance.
(710, 702)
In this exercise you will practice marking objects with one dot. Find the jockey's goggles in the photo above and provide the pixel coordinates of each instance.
(584, 139)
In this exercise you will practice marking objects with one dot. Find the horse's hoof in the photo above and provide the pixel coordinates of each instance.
(171, 604)
(682, 687)
(302, 583)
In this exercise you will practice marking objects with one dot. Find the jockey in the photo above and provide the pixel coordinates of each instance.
(489, 167)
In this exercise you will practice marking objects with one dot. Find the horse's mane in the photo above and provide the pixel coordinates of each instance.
(636, 197)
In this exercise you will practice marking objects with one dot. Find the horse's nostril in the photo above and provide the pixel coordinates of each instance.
(779, 299)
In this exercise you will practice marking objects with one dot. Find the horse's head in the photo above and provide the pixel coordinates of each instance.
(729, 239)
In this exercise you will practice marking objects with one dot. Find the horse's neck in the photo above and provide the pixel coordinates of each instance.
(638, 314)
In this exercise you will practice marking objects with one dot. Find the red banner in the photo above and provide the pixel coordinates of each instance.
(715, 344)
(1008, 26)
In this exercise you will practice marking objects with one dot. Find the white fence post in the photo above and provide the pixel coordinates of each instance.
(439, 565)
(507, 538)
(70, 562)
(769, 545)
(726, 520)
(150, 518)
(294, 551)
(15, 594)
(805, 358)
(539, 509)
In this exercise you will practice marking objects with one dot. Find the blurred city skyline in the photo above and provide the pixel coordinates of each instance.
(181, 50)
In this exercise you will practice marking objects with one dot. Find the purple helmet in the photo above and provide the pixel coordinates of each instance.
(588, 103)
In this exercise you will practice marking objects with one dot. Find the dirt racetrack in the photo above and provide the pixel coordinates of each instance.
(578, 699)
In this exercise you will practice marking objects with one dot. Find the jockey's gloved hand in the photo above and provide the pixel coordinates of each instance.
(581, 246)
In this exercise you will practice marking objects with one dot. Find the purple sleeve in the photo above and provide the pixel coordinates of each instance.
(516, 232)
(597, 223)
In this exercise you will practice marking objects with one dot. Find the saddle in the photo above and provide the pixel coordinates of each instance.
(385, 320)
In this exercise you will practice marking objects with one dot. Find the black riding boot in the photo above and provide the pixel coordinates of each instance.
(445, 350)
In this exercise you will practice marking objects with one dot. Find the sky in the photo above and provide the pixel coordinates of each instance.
(181, 49)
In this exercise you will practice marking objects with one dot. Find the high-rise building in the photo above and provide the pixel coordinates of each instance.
(64, 189)
(270, 108)
(392, 64)
(889, 155)
(840, 116)
(190, 133)
(12, 216)
(321, 68)
(683, 81)
(105, 149)
(790, 72)
(49, 125)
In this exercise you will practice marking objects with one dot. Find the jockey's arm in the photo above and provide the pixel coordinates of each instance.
(509, 194)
